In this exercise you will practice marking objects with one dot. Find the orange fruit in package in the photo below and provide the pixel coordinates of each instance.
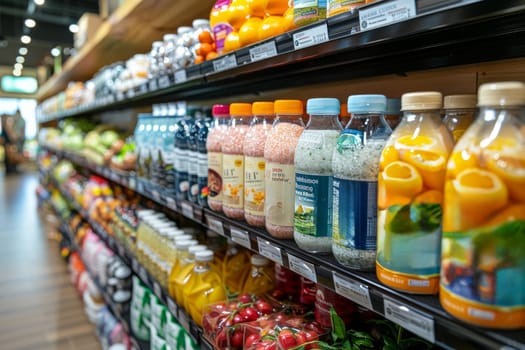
(205, 37)
(257, 8)
(249, 32)
(276, 7)
(271, 26)
(232, 42)
(211, 55)
(238, 13)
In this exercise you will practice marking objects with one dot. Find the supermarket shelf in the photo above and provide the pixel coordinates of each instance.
(443, 33)
(423, 315)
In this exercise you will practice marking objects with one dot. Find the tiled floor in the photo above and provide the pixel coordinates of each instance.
(39, 308)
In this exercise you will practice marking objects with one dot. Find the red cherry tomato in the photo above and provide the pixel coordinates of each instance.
(264, 307)
(251, 340)
(287, 339)
(300, 337)
(245, 298)
(236, 339)
(238, 318)
(249, 314)
(221, 340)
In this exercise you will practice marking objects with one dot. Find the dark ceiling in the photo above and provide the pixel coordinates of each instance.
(52, 28)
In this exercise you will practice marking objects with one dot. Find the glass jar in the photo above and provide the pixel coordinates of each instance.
(355, 166)
(221, 116)
(459, 113)
(313, 176)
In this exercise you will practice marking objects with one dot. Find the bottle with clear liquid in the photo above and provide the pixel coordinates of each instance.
(460, 111)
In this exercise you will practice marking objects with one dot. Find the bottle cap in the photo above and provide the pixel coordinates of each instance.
(393, 106)
(366, 104)
(171, 231)
(263, 108)
(459, 101)
(220, 111)
(169, 37)
(509, 93)
(241, 109)
(184, 244)
(157, 44)
(204, 255)
(196, 248)
(144, 212)
(259, 260)
(183, 30)
(421, 101)
(200, 22)
(323, 106)
(294, 107)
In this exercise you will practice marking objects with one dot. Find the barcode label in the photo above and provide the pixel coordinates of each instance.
(352, 290)
(215, 225)
(386, 13)
(180, 76)
(240, 237)
(270, 251)
(224, 63)
(412, 320)
(260, 52)
(187, 210)
(302, 267)
(310, 37)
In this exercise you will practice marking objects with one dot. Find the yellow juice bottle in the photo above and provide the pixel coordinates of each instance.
(235, 268)
(182, 243)
(180, 274)
(483, 245)
(261, 275)
(204, 286)
(410, 193)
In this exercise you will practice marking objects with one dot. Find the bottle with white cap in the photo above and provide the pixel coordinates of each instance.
(459, 113)
(204, 286)
(483, 245)
(180, 272)
(182, 243)
(260, 279)
(235, 267)
(410, 194)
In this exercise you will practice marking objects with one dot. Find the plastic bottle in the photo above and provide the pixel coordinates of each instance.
(279, 178)
(139, 136)
(182, 157)
(221, 115)
(202, 160)
(204, 286)
(355, 166)
(181, 270)
(483, 250)
(235, 267)
(219, 23)
(233, 160)
(307, 11)
(460, 111)
(393, 112)
(410, 194)
(254, 165)
(313, 176)
(260, 278)
(193, 154)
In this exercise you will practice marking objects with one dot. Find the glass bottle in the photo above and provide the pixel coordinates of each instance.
(260, 278)
(459, 113)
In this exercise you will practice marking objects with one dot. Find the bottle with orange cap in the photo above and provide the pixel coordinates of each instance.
(483, 245)
(254, 165)
(410, 194)
(233, 160)
(279, 153)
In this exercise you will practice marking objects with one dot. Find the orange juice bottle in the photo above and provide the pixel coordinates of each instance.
(410, 192)
(204, 286)
(181, 271)
(260, 278)
(182, 243)
(483, 245)
(235, 267)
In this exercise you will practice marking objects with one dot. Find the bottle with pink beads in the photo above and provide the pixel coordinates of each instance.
(221, 116)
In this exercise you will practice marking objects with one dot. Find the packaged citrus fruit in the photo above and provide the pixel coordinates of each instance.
(219, 23)
(410, 194)
(483, 244)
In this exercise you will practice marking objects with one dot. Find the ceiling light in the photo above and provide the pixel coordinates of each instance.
(30, 23)
(55, 52)
(19, 66)
(73, 28)
(20, 59)
(39, 2)
(17, 73)
(22, 51)
(26, 39)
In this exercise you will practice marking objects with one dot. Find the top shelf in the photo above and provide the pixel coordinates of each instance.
(131, 29)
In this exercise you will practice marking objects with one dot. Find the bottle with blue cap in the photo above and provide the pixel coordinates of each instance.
(313, 176)
(355, 165)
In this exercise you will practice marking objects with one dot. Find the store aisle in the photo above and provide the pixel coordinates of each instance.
(39, 308)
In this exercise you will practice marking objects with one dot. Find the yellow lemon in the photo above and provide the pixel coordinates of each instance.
(388, 156)
(461, 160)
(232, 42)
(238, 13)
(398, 184)
(271, 26)
(512, 170)
(410, 141)
(431, 166)
(249, 32)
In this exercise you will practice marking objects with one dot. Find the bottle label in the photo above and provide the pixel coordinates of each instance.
(355, 213)
(181, 160)
(202, 165)
(313, 205)
(215, 175)
(279, 186)
(192, 160)
(254, 184)
(233, 184)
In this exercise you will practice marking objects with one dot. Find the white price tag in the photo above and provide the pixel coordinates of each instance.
(224, 63)
(310, 37)
(184, 320)
(215, 225)
(240, 237)
(156, 196)
(352, 290)
(416, 322)
(135, 265)
(157, 290)
(260, 52)
(268, 250)
(143, 274)
(302, 267)
(152, 85)
(171, 203)
(385, 13)
(132, 183)
(187, 210)
(173, 307)
(180, 76)
(164, 81)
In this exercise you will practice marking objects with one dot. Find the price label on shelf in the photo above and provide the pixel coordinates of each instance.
(164, 81)
(171, 203)
(260, 52)
(157, 290)
(224, 63)
(173, 307)
(152, 85)
(180, 76)
(302, 267)
(353, 290)
(240, 237)
(310, 37)
(270, 251)
(215, 225)
(132, 183)
(143, 274)
(187, 210)
(135, 265)
(414, 321)
(385, 13)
